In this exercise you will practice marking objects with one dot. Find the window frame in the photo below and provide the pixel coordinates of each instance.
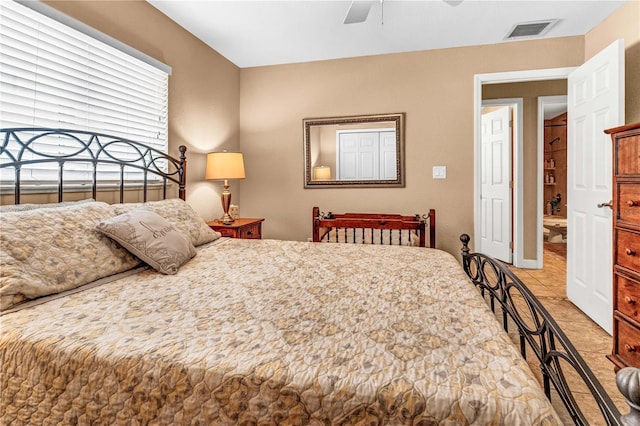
(52, 18)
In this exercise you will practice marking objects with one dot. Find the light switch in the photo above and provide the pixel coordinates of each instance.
(439, 172)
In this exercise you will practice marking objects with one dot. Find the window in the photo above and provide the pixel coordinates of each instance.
(56, 75)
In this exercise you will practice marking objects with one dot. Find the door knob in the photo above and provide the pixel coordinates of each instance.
(609, 204)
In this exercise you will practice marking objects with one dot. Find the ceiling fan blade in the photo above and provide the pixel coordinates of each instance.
(358, 11)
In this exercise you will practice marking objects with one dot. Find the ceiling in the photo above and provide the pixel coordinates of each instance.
(257, 33)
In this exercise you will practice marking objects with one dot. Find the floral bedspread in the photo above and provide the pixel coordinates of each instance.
(271, 332)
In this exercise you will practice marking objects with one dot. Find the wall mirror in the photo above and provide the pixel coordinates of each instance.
(354, 151)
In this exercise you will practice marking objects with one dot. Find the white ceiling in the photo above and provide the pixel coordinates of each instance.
(256, 33)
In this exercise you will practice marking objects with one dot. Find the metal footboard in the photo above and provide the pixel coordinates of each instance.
(541, 334)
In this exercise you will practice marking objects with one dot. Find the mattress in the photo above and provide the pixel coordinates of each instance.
(267, 332)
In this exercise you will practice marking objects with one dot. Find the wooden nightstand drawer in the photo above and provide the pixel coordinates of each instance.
(247, 228)
(226, 232)
(251, 232)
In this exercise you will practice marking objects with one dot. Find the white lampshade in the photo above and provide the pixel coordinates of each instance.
(322, 173)
(224, 165)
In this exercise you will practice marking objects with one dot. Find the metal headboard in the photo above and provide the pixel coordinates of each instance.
(93, 148)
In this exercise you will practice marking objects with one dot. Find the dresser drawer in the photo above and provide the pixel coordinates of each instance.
(628, 297)
(627, 156)
(628, 344)
(628, 249)
(251, 232)
(629, 203)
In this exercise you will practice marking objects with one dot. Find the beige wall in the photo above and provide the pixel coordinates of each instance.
(203, 88)
(529, 92)
(213, 105)
(624, 24)
(434, 89)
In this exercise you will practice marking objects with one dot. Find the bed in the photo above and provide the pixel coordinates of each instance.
(374, 228)
(241, 331)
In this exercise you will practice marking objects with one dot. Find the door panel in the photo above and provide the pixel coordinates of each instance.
(368, 163)
(367, 155)
(388, 155)
(495, 195)
(497, 209)
(580, 232)
(595, 103)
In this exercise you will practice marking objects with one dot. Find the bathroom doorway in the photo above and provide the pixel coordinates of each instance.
(553, 140)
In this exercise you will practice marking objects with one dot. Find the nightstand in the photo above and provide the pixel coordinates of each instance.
(247, 228)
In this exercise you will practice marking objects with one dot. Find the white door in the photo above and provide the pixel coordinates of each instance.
(358, 156)
(368, 156)
(595, 103)
(388, 150)
(495, 197)
(347, 157)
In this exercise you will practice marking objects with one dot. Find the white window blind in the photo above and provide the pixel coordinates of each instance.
(54, 76)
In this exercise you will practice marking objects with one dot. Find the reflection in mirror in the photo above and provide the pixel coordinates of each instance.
(364, 150)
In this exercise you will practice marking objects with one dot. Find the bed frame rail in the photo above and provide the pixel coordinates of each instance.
(19, 147)
(539, 331)
(373, 228)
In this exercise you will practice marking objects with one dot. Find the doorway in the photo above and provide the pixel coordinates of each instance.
(552, 182)
(519, 258)
(502, 138)
(595, 103)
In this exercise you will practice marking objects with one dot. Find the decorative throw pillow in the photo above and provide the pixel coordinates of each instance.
(151, 238)
(179, 214)
(50, 250)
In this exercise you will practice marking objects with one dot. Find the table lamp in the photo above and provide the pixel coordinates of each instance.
(225, 166)
(322, 173)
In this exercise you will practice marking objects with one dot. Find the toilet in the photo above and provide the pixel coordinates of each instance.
(555, 229)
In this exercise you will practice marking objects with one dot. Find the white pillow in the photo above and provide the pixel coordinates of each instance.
(46, 251)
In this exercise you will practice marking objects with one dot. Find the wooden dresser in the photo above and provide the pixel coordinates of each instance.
(626, 245)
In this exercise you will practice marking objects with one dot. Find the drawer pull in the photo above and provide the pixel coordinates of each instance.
(630, 300)
(249, 233)
(630, 348)
(632, 203)
(630, 252)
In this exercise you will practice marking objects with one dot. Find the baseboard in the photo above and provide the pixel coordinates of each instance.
(530, 264)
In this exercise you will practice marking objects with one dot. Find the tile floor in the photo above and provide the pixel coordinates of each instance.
(593, 343)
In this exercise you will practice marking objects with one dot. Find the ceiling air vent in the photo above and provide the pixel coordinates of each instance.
(530, 29)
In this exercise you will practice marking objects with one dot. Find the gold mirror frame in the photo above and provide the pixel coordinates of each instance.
(395, 121)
